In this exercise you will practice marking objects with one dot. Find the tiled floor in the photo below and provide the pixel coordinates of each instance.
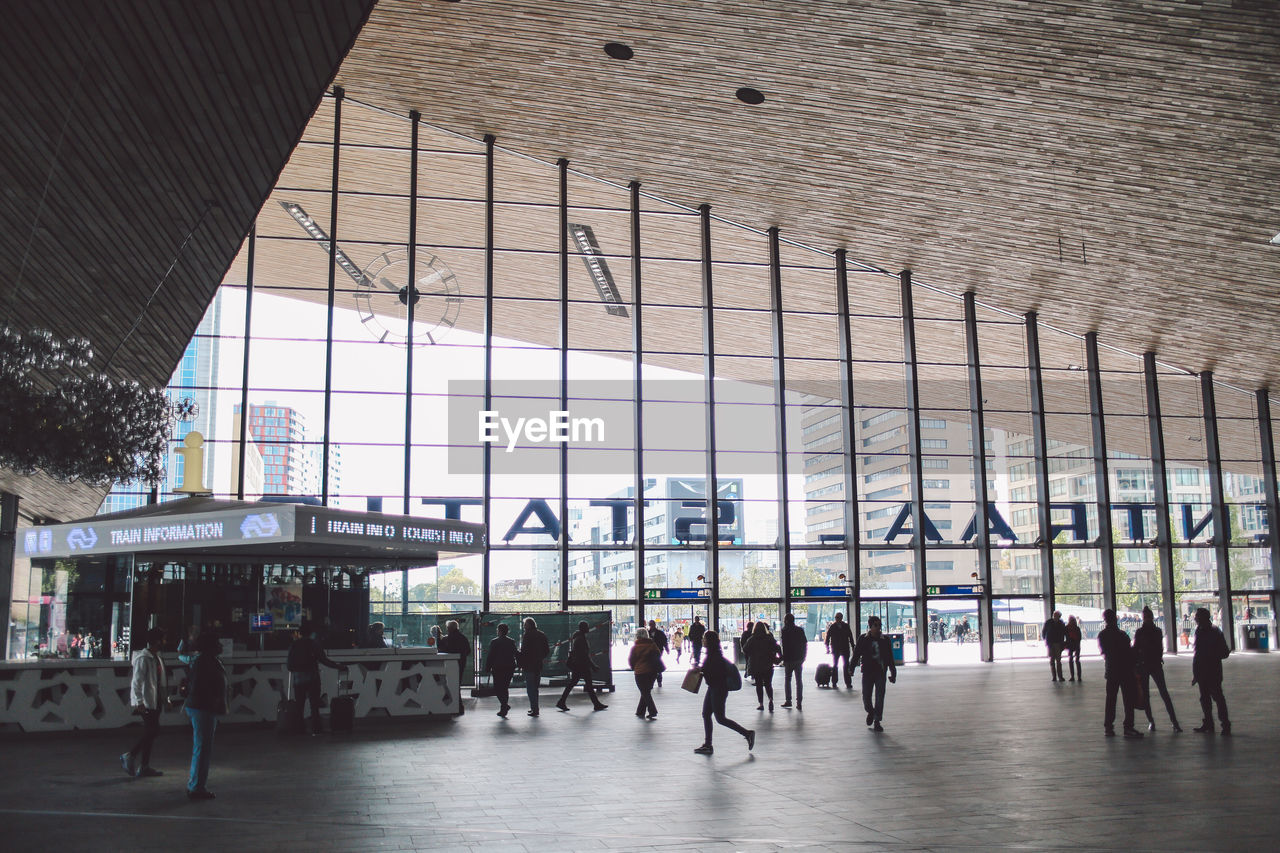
(977, 757)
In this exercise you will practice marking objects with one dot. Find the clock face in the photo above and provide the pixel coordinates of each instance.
(383, 298)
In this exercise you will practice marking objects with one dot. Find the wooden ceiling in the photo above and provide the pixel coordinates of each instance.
(140, 138)
(1113, 167)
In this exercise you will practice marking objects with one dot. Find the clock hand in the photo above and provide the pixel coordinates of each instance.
(388, 284)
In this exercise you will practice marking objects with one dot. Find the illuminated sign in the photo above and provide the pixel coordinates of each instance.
(954, 589)
(820, 592)
(674, 592)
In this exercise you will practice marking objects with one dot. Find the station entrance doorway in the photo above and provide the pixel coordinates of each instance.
(955, 630)
(674, 619)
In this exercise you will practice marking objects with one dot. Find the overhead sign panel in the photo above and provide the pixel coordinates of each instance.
(676, 593)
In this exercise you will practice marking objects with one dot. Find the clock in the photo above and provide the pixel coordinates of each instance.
(384, 292)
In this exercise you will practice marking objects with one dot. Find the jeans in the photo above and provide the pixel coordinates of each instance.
(874, 683)
(713, 706)
(1210, 693)
(697, 653)
(150, 728)
(645, 681)
(1124, 684)
(502, 685)
(1055, 661)
(835, 667)
(1157, 675)
(203, 724)
(532, 681)
(793, 669)
(1073, 664)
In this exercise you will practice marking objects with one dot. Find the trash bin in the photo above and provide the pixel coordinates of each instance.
(896, 643)
(1255, 638)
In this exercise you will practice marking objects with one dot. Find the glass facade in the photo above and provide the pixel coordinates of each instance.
(750, 426)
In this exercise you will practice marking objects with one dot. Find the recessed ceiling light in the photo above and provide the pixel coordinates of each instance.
(750, 96)
(1276, 240)
(618, 50)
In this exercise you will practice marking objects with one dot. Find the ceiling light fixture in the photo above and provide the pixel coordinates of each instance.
(598, 268)
(1275, 241)
(618, 50)
(750, 96)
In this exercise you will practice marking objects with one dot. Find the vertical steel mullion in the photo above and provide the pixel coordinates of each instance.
(780, 418)
(637, 399)
(1267, 438)
(1221, 513)
(333, 284)
(563, 167)
(852, 533)
(410, 298)
(1041, 445)
(709, 371)
(1160, 480)
(1101, 477)
(918, 528)
(486, 449)
(244, 377)
(978, 427)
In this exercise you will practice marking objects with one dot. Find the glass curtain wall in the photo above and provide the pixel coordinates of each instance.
(664, 414)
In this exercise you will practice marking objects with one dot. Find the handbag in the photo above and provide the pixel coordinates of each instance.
(692, 681)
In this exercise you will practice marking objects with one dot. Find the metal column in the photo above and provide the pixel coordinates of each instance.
(333, 272)
(411, 296)
(1160, 480)
(637, 375)
(852, 533)
(977, 425)
(1267, 437)
(1101, 477)
(780, 417)
(1041, 446)
(1221, 513)
(709, 375)
(563, 166)
(917, 470)
(486, 457)
(244, 377)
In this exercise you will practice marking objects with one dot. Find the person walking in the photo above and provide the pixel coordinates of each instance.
(795, 646)
(875, 654)
(1148, 650)
(840, 645)
(534, 650)
(646, 661)
(716, 673)
(500, 664)
(697, 631)
(580, 668)
(146, 693)
(661, 642)
(1206, 671)
(677, 643)
(304, 660)
(1054, 634)
(454, 642)
(1074, 637)
(206, 701)
(1118, 657)
(762, 653)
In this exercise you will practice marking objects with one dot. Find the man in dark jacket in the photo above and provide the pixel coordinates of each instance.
(875, 654)
(1118, 656)
(795, 645)
(1206, 671)
(534, 649)
(500, 663)
(454, 642)
(580, 668)
(305, 657)
(1054, 634)
(659, 638)
(696, 632)
(840, 644)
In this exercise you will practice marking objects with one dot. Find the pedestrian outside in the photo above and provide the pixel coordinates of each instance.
(716, 675)
(146, 695)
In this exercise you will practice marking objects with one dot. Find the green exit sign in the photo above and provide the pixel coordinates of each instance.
(651, 594)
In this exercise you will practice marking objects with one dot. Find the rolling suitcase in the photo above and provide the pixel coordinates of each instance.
(342, 709)
(825, 676)
(289, 713)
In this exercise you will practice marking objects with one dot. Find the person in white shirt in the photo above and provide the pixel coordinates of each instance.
(146, 694)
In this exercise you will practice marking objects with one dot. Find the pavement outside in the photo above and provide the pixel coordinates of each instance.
(973, 757)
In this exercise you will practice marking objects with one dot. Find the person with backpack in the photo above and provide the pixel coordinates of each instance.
(762, 653)
(1206, 671)
(305, 657)
(795, 646)
(875, 654)
(534, 650)
(580, 668)
(721, 677)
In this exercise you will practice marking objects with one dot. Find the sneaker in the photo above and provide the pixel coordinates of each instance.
(532, 713)
(126, 761)
(502, 712)
(653, 716)
(786, 704)
(1111, 732)
(871, 717)
(877, 728)
(1206, 728)
(562, 706)
(705, 749)
(1132, 733)
(760, 707)
(1151, 726)
(1226, 729)
(751, 739)
(599, 706)
(770, 707)
(200, 794)
(798, 708)
(1177, 729)
(150, 771)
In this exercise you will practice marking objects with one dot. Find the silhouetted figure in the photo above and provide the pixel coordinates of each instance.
(146, 695)
(305, 657)
(840, 645)
(580, 669)
(762, 654)
(716, 675)
(1206, 670)
(206, 701)
(1119, 673)
(695, 634)
(1148, 650)
(454, 642)
(534, 650)
(875, 654)
(500, 663)
(663, 645)
(1054, 634)
(1074, 637)
(377, 636)
(646, 661)
(795, 646)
